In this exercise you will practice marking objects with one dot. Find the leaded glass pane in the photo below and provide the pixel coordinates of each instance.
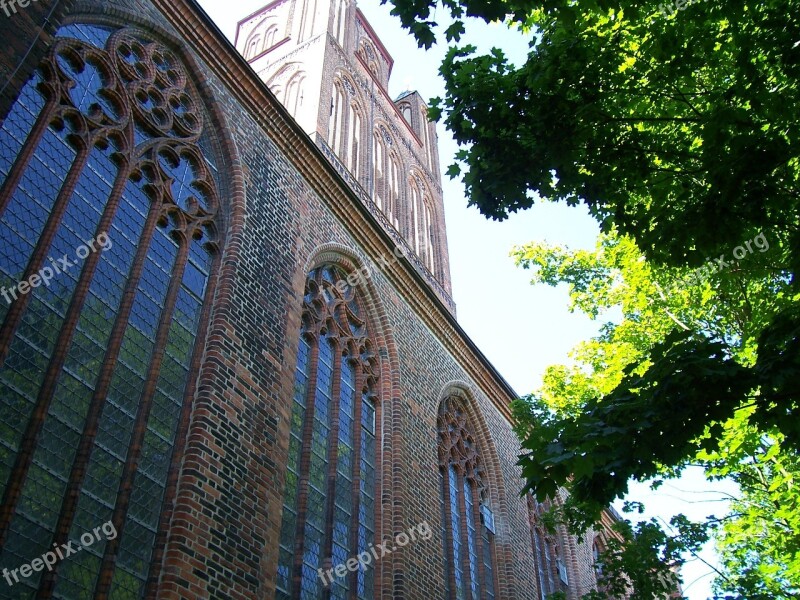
(488, 564)
(455, 528)
(18, 124)
(471, 540)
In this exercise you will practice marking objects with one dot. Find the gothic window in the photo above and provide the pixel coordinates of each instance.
(415, 216)
(393, 194)
(469, 539)
(308, 17)
(598, 548)
(421, 224)
(339, 22)
(545, 550)
(104, 163)
(293, 98)
(373, 68)
(269, 37)
(335, 133)
(329, 502)
(254, 47)
(354, 131)
(257, 43)
(405, 109)
(426, 138)
(378, 169)
(427, 230)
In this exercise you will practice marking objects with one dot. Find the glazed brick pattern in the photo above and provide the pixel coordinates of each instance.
(220, 531)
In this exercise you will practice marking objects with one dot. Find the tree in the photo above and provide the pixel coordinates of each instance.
(580, 431)
(679, 131)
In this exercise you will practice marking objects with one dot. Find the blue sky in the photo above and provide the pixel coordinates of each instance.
(522, 329)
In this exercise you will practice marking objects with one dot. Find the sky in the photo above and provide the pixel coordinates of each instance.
(521, 329)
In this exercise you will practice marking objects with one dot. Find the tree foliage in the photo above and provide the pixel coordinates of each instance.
(679, 131)
(613, 415)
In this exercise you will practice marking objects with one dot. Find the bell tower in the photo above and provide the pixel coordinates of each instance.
(329, 68)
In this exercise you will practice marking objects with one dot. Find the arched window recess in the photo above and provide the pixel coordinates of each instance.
(468, 518)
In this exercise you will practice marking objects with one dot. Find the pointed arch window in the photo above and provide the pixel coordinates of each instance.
(254, 47)
(269, 37)
(354, 131)
(378, 169)
(393, 193)
(414, 215)
(329, 502)
(106, 142)
(421, 224)
(339, 22)
(425, 124)
(598, 548)
(405, 109)
(427, 232)
(469, 542)
(338, 105)
(293, 98)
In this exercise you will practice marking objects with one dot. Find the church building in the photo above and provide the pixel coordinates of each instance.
(230, 364)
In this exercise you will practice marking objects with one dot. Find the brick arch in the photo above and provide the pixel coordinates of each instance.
(369, 55)
(383, 130)
(267, 24)
(493, 473)
(392, 445)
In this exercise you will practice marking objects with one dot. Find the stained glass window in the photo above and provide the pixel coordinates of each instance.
(109, 205)
(469, 543)
(329, 502)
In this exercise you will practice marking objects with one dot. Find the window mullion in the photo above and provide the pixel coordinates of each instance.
(356, 475)
(476, 518)
(448, 532)
(333, 446)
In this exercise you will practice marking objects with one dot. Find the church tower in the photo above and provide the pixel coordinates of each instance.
(325, 63)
